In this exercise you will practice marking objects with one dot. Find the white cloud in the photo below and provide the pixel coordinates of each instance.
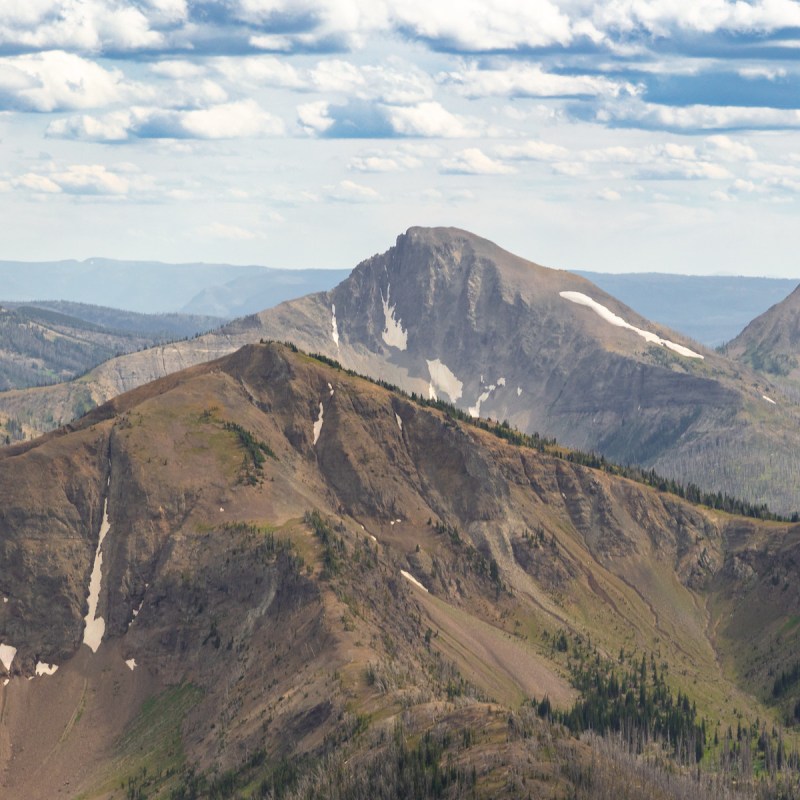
(112, 127)
(179, 70)
(478, 25)
(609, 194)
(87, 26)
(727, 149)
(571, 168)
(430, 120)
(350, 22)
(285, 26)
(394, 83)
(351, 192)
(534, 150)
(241, 119)
(315, 117)
(56, 81)
(237, 120)
(530, 80)
(336, 76)
(86, 179)
(662, 17)
(359, 119)
(403, 85)
(91, 179)
(392, 161)
(769, 73)
(36, 183)
(256, 71)
(473, 161)
(168, 11)
(699, 117)
(274, 43)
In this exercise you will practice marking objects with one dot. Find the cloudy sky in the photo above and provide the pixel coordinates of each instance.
(626, 135)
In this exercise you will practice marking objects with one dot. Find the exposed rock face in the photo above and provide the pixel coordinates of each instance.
(219, 593)
(449, 314)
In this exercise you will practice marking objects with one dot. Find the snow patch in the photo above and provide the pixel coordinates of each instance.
(519, 391)
(443, 380)
(393, 333)
(131, 664)
(96, 626)
(399, 421)
(6, 681)
(609, 316)
(432, 392)
(45, 669)
(318, 424)
(409, 577)
(5, 599)
(769, 399)
(334, 326)
(501, 381)
(7, 653)
(475, 411)
(331, 389)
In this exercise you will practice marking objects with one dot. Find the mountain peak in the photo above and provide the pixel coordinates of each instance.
(771, 342)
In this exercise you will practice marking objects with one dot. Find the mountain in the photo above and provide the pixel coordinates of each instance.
(770, 344)
(221, 290)
(162, 327)
(264, 576)
(251, 293)
(445, 313)
(711, 309)
(449, 313)
(46, 343)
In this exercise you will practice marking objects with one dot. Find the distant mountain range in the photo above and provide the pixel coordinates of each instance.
(709, 309)
(445, 313)
(266, 577)
(48, 343)
(152, 287)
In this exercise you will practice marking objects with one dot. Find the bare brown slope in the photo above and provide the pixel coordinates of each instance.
(253, 646)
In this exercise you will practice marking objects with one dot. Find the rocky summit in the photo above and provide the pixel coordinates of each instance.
(265, 576)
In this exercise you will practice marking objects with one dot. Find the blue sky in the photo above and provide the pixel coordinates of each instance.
(612, 136)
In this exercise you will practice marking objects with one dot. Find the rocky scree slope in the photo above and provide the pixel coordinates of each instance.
(291, 556)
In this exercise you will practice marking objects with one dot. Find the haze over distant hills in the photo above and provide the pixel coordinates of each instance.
(265, 572)
(220, 290)
(711, 309)
(445, 312)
